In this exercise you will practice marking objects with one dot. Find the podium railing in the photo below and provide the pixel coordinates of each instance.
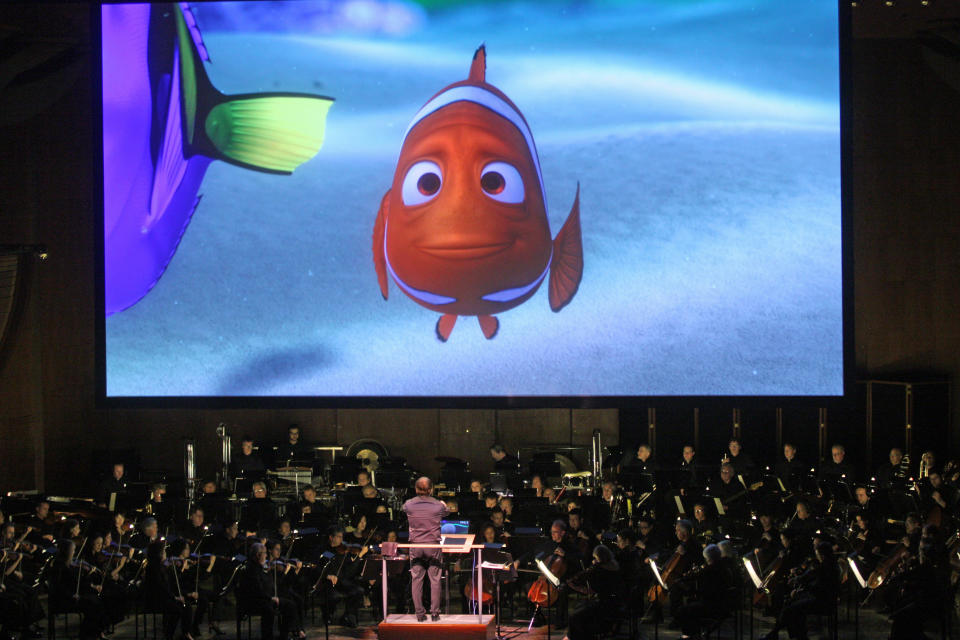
(445, 548)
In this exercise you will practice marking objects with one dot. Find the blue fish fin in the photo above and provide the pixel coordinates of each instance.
(171, 165)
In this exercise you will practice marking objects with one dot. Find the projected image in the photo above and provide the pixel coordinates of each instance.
(274, 171)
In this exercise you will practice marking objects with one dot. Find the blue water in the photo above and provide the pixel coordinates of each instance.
(704, 136)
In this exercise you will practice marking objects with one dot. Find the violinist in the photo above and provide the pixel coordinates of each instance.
(195, 527)
(109, 563)
(19, 600)
(228, 543)
(290, 575)
(261, 596)
(120, 528)
(602, 581)
(41, 524)
(72, 589)
(186, 573)
(148, 534)
(711, 590)
(337, 580)
(813, 591)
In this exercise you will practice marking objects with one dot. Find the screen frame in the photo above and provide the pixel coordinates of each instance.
(845, 400)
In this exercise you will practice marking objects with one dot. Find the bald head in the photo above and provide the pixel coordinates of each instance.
(423, 486)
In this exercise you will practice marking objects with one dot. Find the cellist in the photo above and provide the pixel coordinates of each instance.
(684, 556)
(560, 547)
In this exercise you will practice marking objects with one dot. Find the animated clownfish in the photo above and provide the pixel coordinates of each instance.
(463, 230)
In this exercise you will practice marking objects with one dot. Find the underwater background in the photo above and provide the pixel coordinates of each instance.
(705, 138)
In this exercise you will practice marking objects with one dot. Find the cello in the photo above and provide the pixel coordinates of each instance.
(542, 593)
(676, 566)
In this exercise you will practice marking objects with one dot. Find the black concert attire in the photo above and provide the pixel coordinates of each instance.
(20, 606)
(111, 486)
(250, 466)
(733, 496)
(836, 472)
(141, 541)
(713, 596)
(162, 586)
(62, 582)
(591, 617)
(705, 531)
(344, 567)
(288, 452)
(742, 464)
(689, 477)
(791, 473)
(216, 508)
(508, 464)
(639, 475)
(766, 542)
(892, 477)
(920, 597)
(424, 514)
(816, 592)
(259, 514)
(255, 593)
(162, 512)
(312, 515)
(192, 533)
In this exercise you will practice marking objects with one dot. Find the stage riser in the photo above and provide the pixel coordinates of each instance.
(459, 628)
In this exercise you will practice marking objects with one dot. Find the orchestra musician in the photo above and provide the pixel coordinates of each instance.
(260, 595)
(158, 506)
(602, 581)
(503, 460)
(712, 593)
(311, 512)
(689, 477)
(790, 469)
(813, 591)
(837, 469)
(113, 486)
(338, 579)
(739, 459)
(247, 464)
(73, 588)
(424, 515)
(893, 474)
(260, 514)
(148, 534)
(293, 448)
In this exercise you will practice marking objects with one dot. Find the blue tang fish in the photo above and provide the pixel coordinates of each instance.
(163, 124)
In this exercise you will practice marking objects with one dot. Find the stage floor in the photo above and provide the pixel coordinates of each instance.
(454, 626)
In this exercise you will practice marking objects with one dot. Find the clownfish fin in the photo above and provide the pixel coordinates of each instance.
(445, 326)
(379, 257)
(566, 270)
(489, 325)
(478, 68)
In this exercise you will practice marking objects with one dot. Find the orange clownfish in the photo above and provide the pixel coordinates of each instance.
(463, 229)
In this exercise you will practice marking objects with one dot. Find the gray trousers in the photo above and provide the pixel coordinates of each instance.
(425, 561)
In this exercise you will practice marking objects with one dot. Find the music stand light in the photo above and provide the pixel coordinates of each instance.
(852, 561)
(545, 570)
(752, 572)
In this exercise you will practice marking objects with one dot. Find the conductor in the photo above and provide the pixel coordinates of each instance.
(424, 513)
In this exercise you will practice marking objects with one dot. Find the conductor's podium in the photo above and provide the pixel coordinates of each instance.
(452, 627)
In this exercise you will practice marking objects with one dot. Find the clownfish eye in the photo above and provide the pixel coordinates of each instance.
(422, 183)
(502, 182)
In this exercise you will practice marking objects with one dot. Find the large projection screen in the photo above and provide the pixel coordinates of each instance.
(428, 201)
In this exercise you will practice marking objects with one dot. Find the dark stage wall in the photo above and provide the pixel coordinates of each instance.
(907, 264)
